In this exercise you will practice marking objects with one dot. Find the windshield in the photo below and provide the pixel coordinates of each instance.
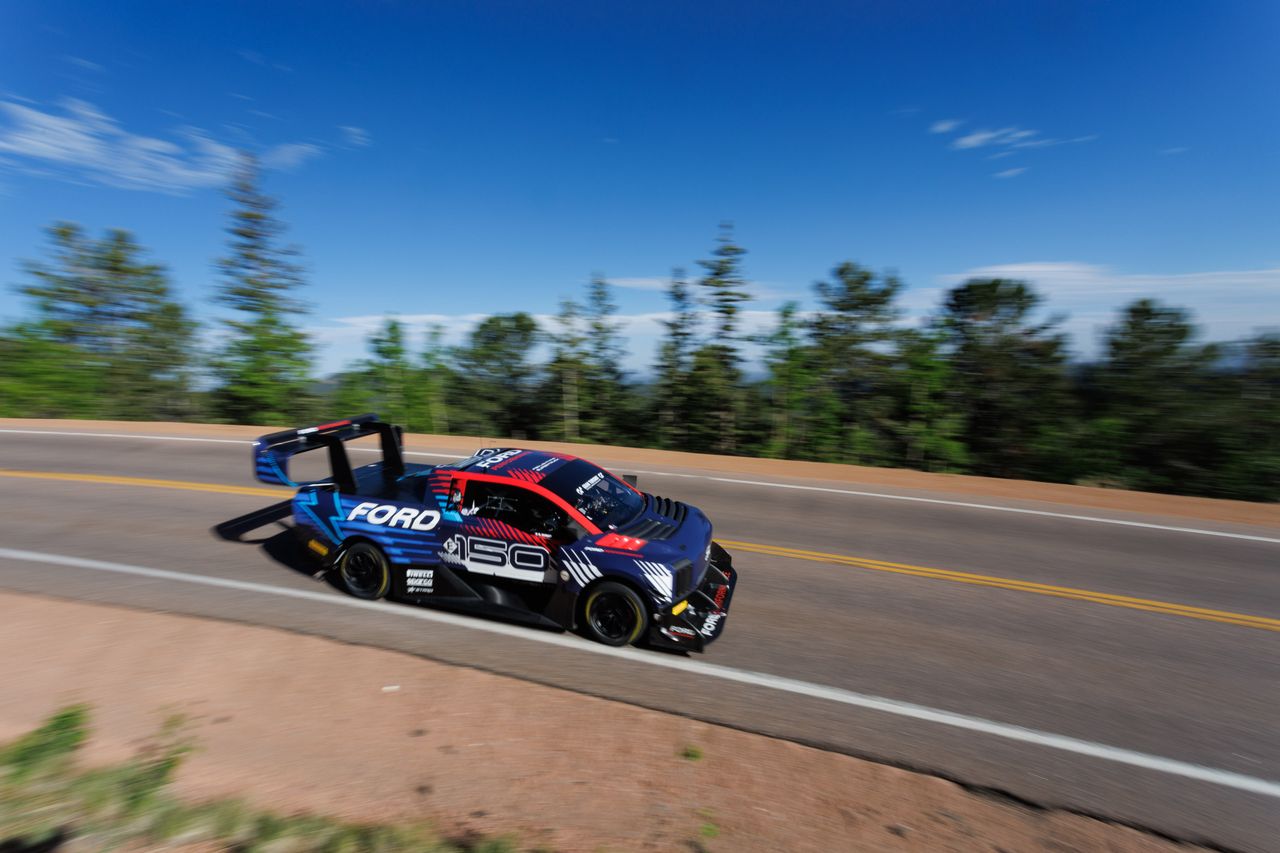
(597, 494)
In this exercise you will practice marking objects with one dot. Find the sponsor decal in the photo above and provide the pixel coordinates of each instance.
(579, 566)
(678, 631)
(712, 620)
(582, 490)
(420, 580)
(497, 459)
(719, 597)
(659, 577)
(497, 557)
(389, 515)
(545, 463)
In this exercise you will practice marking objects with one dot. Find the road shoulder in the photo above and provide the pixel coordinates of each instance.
(301, 724)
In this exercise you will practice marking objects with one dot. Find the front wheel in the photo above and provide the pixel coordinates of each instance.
(614, 614)
(363, 571)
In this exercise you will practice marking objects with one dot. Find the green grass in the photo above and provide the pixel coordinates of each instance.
(45, 798)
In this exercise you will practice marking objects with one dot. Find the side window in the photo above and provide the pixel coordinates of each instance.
(490, 500)
(518, 507)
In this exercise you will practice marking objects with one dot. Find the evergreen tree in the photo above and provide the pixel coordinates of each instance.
(930, 427)
(263, 366)
(1157, 391)
(788, 359)
(605, 392)
(675, 356)
(566, 372)
(100, 303)
(496, 393)
(713, 423)
(1010, 380)
(1251, 467)
(392, 373)
(43, 378)
(851, 333)
(435, 381)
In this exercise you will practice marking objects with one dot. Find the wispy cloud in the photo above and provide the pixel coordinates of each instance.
(290, 156)
(82, 63)
(356, 137)
(1011, 136)
(252, 56)
(1011, 173)
(1178, 149)
(81, 143)
(1003, 140)
(651, 283)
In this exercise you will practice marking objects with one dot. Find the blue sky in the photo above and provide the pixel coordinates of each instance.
(447, 160)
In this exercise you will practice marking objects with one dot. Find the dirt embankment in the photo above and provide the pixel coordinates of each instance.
(300, 724)
(849, 476)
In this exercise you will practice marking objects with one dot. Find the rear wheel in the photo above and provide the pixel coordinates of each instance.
(614, 614)
(364, 571)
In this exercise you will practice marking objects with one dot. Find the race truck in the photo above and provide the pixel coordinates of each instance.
(528, 535)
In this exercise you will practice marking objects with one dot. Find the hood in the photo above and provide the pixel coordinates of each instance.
(675, 534)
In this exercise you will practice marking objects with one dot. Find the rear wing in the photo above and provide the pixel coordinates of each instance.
(271, 453)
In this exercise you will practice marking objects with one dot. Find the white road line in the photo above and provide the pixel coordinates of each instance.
(1093, 519)
(127, 435)
(1146, 761)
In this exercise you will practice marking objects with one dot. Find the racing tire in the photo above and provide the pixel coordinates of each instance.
(614, 614)
(363, 571)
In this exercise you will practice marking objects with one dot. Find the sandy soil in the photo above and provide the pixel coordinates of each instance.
(1238, 512)
(301, 724)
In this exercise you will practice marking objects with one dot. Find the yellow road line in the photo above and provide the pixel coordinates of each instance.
(1169, 608)
(1227, 617)
(143, 481)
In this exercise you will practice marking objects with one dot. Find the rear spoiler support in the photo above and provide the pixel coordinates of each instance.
(271, 453)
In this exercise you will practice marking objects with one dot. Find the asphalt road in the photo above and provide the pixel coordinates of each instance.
(1148, 640)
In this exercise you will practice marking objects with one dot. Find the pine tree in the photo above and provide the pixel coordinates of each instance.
(851, 333)
(1156, 395)
(717, 362)
(392, 372)
(1010, 380)
(498, 396)
(566, 371)
(264, 363)
(436, 377)
(603, 412)
(930, 426)
(675, 356)
(100, 300)
(787, 357)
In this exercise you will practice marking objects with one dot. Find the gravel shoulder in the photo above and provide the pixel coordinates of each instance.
(300, 724)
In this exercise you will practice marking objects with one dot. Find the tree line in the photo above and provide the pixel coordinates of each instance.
(984, 387)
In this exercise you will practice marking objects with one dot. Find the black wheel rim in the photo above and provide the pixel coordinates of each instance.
(362, 571)
(613, 616)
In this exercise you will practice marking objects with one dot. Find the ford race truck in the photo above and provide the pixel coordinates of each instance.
(540, 537)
